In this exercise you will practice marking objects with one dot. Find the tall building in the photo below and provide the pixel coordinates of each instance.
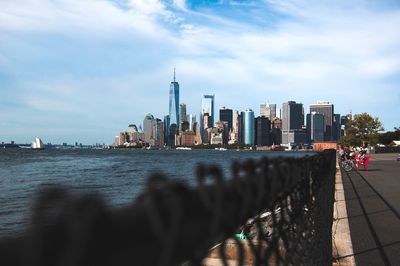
(234, 134)
(292, 116)
(205, 118)
(315, 127)
(336, 128)
(223, 131)
(268, 110)
(191, 119)
(262, 133)
(326, 109)
(276, 131)
(121, 138)
(248, 122)
(132, 128)
(134, 136)
(344, 124)
(241, 128)
(148, 124)
(174, 103)
(292, 123)
(196, 129)
(207, 106)
(182, 114)
(166, 129)
(226, 115)
(158, 133)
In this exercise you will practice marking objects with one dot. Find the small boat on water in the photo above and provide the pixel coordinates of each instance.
(184, 148)
(221, 149)
(37, 144)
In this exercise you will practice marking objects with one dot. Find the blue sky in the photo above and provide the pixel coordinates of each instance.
(83, 70)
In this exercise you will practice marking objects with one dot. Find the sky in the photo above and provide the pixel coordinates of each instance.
(84, 70)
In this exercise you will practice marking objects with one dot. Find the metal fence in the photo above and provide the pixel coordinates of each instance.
(274, 211)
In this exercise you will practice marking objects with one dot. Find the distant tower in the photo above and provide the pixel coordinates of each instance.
(262, 133)
(174, 102)
(292, 116)
(148, 123)
(249, 129)
(226, 115)
(315, 126)
(327, 110)
(207, 106)
(292, 123)
(182, 113)
(268, 110)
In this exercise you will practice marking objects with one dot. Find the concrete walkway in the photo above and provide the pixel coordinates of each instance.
(373, 206)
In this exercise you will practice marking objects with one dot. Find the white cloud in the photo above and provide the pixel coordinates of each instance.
(315, 46)
(315, 51)
(181, 4)
(83, 17)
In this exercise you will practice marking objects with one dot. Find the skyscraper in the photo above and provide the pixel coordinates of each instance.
(344, 124)
(174, 103)
(336, 127)
(248, 121)
(226, 115)
(292, 123)
(182, 114)
(241, 128)
(191, 119)
(292, 116)
(326, 109)
(262, 134)
(276, 131)
(158, 133)
(268, 110)
(207, 106)
(148, 124)
(315, 127)
(234, 136)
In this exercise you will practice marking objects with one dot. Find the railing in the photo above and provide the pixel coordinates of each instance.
(282, 206)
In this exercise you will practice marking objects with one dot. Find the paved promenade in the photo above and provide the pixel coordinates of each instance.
(373, 210)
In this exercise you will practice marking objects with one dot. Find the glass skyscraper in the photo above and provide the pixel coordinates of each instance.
(292, 123)
(174, 103)
(207, 107)
(292, 116)
(248, 121)
(268, 110)
(326, 109)
(226, 115)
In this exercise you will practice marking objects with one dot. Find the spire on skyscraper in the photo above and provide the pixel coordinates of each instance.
(174, 74)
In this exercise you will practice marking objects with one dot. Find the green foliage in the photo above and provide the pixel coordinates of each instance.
(388, 137)
(363, 128)
(351, 138)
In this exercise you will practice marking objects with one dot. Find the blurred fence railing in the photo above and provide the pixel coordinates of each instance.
(274, 211)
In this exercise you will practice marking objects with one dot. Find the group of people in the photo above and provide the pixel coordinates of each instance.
(347, 153)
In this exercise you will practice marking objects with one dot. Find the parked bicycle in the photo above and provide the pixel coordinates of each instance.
(348, 161)
(354, 160)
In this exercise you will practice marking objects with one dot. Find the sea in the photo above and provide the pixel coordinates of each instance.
(118, 175)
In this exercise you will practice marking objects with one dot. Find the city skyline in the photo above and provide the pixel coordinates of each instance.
(81, 71)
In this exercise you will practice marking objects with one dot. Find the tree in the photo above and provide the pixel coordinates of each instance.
(351, 138)
(363, 128)
(388, 137)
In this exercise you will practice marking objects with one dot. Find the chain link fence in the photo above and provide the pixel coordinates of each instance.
(274, 211)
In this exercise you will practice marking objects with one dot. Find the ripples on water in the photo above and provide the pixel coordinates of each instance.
(118, 175)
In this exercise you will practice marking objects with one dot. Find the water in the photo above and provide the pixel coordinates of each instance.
(118, 175)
